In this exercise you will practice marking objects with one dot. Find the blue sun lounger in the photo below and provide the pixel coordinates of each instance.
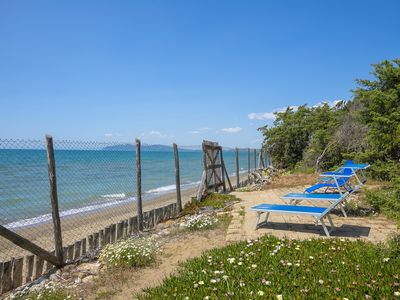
(295, 198)
(327, 182)
(349, 168)
(318, 213)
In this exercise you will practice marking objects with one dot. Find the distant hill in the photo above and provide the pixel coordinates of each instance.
(150, 148)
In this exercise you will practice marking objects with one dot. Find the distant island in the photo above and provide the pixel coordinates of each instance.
(150, 148)
(156, 148)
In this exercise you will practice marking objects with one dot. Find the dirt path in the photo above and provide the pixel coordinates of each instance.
(178, 249)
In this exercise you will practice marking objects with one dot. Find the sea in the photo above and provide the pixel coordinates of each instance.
(90, 180)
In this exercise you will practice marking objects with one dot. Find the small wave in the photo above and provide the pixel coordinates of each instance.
(119, 196)
(70, 212)
(169, 188)
(162, 189)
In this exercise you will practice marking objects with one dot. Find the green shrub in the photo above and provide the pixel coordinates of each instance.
(386, 201)
(270, 268)
(130, 253)
(387, 171)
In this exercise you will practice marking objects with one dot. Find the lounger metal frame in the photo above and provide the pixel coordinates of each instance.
(319, 217)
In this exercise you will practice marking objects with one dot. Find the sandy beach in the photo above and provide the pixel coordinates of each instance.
(81, 225)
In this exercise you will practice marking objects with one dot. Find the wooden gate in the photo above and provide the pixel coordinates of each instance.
(214, 173)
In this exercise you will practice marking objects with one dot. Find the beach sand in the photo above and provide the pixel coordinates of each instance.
(79, 226)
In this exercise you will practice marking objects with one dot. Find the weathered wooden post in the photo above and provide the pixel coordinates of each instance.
(51, 164)
(248, 165)
(255, 159)
(222, 172)
(139, 187)
(237, 169)
(177, 179)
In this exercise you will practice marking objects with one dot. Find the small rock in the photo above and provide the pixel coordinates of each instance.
(54, 277)
(165, 232)
(88, 279)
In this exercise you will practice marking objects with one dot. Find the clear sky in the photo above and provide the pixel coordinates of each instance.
(180, 70)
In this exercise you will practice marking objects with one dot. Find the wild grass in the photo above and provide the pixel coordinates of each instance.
(271, 268)
(215, 201)
(45, 294)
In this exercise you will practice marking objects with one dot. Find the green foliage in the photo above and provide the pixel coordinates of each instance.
(385, 200)
(302, 135)
(270, 268)
(381, 99)
(366, 129)
(215, 200)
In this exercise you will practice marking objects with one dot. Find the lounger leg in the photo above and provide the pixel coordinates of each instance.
(331, 223)
(266, 217)
(324, 227)
(364, 180)
(343, 211)
(258, 219)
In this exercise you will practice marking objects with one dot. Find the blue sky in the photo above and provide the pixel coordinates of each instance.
(180, 70)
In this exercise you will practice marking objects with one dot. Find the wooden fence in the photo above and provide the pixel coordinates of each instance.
(21, 270)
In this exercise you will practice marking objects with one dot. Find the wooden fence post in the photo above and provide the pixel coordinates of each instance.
(177, 179)
(248, 165)
(54, 200)
(255, 159)
(237, 168)
(139, 187)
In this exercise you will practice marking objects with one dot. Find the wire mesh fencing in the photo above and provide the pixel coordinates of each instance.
(24, 194)
(96, 191)
(96, 185)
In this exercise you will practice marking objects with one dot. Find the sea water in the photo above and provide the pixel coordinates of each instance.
(89, 180)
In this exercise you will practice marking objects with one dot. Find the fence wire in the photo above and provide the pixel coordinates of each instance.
(24, 194)
(96, 185)
(96, 188)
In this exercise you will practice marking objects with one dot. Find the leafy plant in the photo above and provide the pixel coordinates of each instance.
(201, 222)
(130, 253)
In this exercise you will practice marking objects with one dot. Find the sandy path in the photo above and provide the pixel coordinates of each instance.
(180, 248)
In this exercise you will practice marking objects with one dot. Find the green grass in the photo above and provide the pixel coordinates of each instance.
(216, 201)
(270, 268)
(242, 211)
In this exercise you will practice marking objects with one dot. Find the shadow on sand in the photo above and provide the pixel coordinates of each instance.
(344, 230)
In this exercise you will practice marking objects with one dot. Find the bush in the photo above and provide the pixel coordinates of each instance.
(386, 201)
(270, 268)
(387, 171)
(130, 253)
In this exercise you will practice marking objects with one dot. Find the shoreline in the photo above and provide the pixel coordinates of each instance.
(79, 226)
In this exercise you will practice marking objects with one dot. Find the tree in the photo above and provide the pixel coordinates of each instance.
(381, 100)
